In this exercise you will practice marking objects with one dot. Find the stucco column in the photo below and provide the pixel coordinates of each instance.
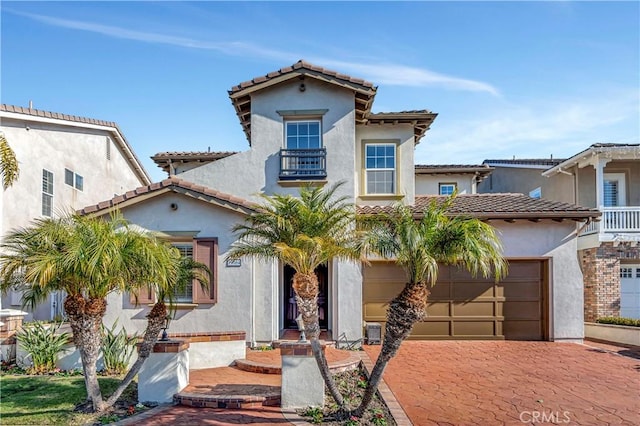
(302, 383)
(165, 372)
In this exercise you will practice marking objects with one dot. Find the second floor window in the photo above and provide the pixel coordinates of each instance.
(303, 156)
(380, 168)
(47, 193)
(73, 179)
(446, 188)
(303, 134)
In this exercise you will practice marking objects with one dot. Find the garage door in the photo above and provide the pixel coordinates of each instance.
(630, 291)
(463, 307)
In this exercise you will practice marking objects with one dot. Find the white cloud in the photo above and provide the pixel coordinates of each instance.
(561, 128)
(384, 73)
(401, 75)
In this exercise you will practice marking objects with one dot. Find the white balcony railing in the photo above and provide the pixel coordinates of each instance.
(616, 219)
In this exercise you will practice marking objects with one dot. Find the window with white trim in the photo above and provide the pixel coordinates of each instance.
(626, 272)
(380, 168)
(447, 188)
(303, 134)
(184, 295)
(614, 190)
(47, 193)
(73, 179)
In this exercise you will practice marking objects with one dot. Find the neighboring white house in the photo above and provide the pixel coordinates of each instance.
(66, 162)
(306, 124)
(605, 176)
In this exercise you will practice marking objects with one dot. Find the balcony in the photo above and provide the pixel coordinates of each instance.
(303, 164)
(616, 220)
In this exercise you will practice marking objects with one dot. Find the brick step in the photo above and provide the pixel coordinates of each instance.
(234, 397)
(272, 367)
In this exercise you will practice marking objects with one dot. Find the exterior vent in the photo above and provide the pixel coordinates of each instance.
(373, 332)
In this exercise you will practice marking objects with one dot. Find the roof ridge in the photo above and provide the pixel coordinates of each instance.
(55, 115)
(171, 181)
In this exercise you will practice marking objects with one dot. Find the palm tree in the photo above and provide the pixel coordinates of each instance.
(418, 244)
(8, 163)
(303, 233)
(88, 258)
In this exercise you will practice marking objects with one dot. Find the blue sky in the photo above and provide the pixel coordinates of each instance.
(508, 79)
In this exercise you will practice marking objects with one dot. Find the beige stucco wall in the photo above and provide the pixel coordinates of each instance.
(55, 147)
(430, 184)
(402, 136)
(587, 182)
(558, 242)
(559, 187)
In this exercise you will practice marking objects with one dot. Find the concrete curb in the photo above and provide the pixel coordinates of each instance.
(385, 393)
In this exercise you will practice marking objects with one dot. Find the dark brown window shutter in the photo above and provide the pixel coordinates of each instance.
(145, 296)
(205, 250)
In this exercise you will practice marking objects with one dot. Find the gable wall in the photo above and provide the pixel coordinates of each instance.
(233, 308)
(257, 170)
(429, 184)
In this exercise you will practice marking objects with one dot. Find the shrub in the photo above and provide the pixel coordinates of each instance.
(117, 349)
(43, 345)
(619, 321)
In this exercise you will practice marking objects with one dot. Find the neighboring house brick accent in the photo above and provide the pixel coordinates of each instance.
(601, 272)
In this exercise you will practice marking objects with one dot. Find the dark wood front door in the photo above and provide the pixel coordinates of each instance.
(290, 305)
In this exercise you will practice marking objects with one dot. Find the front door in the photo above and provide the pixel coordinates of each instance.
(290, 305)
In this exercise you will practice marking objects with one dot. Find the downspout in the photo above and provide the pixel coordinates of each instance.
(253, 302)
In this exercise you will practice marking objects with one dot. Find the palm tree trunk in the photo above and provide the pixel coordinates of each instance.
(306, 288)
(85, 318)
(409, 307)
(155, 322)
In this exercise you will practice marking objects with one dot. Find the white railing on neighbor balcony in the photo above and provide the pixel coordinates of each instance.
(616, 219)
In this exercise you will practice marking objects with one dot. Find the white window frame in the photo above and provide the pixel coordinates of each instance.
(46, 194)
(394, 170)
(622, 189)
(442, 185)
(298, 121)
(187, 297)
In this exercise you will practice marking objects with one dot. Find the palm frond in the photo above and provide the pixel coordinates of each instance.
(8, 163)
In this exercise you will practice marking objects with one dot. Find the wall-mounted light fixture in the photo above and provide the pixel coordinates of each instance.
(174, 206)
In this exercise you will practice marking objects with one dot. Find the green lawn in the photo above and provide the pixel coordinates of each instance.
(47, 400)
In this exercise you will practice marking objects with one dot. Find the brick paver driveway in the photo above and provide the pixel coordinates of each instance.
(515, 383)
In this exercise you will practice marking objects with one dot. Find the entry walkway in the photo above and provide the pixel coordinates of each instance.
(514, 383)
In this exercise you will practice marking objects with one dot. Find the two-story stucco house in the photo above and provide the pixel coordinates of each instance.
(66, 162)
(306, 124)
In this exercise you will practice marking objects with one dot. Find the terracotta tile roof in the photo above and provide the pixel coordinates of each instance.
(499, 206)
(120, 139)
(420, 119)
(55, 115)
(165, 159)
(241, 94)
(172, 184)
(452, 168)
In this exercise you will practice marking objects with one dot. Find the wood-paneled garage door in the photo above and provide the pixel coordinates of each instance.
(463, 307)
